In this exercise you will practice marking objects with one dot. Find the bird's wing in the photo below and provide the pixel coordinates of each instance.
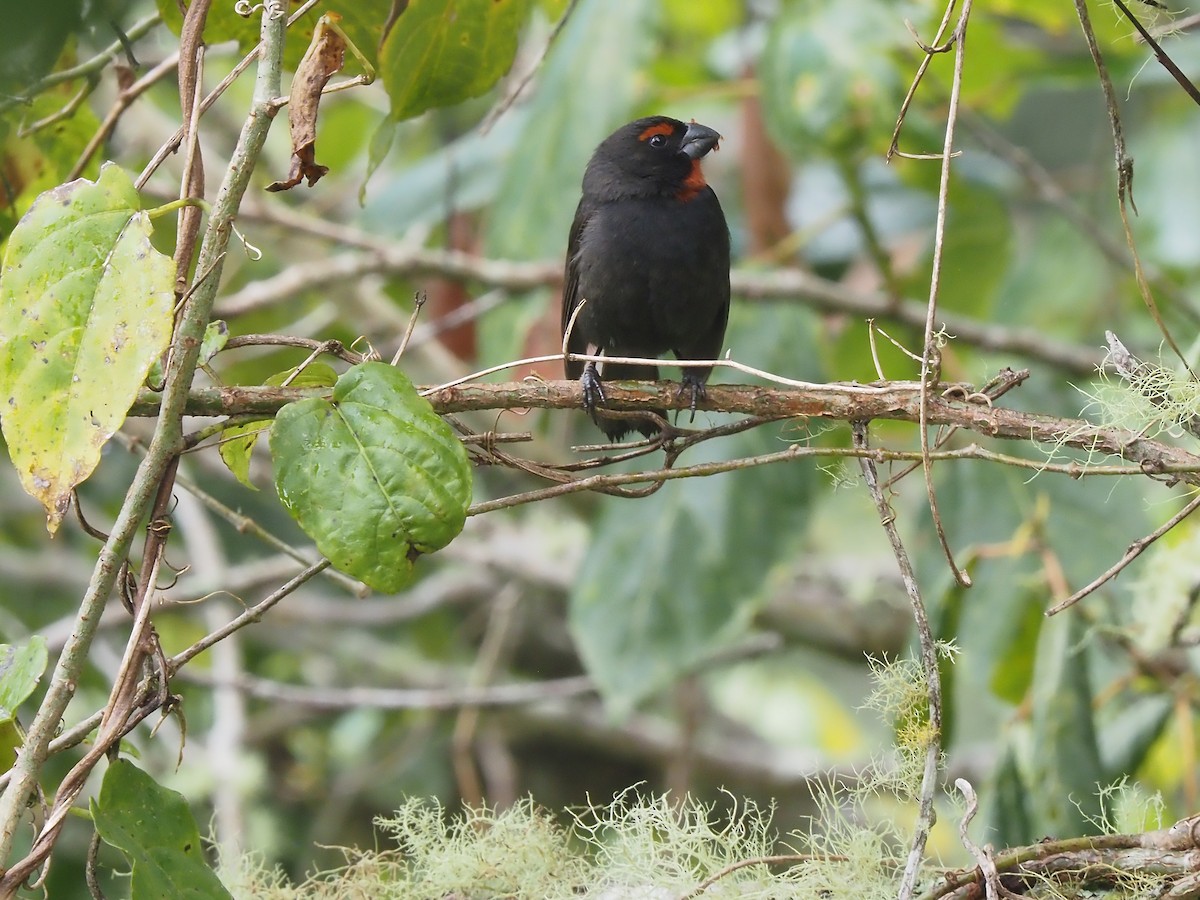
(570, 296)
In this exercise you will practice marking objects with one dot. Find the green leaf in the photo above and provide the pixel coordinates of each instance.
(21, 667)
(312, 375)
(441, 52)
(33, 36)
(374, 475)
(1128, 732)
(977, 251)
(667, 584)
(1065, 759)
(814, 93)
(600, 54)
(238, 441)
(673, 578)
(361, 20)
(216, 336)
(1010, 822)
(1012, 670)
(153, 826)
(85, 308)
(37, 162)
(12, 737)
(237, 444)
(1008, 567)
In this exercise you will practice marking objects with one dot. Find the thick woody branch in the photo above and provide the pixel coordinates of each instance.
(898, 401)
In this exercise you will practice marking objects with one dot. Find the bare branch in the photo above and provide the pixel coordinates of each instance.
(1133, 552)
(441, 698)
(894, 400)
(926, 815)
(779, 285)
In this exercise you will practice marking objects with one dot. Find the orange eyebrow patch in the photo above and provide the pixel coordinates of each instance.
(664, 128)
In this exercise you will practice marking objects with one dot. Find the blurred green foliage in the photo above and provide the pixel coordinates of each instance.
(725, 619)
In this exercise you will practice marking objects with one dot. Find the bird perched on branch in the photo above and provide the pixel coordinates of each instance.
(647, 263)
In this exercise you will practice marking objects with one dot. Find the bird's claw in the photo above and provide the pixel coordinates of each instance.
(593, 390)
(695, 385)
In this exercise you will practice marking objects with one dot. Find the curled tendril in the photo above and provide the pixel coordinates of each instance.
(276, 9)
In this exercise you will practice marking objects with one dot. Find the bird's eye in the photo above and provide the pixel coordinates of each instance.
(659, 140)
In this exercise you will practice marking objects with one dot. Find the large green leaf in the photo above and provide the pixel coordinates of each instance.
(374, 475)
(601, 55)
(818, 93)
(670, 580)
(1009, 819)
(155, 829)
(361, 20)
(1127, 730)
(673, 578)
(21, 668)
(238, 441)
(1065, 759)
(991, 515)
(36, 162)
(441, 52)
(85, 308)
(32, 38)
(1016, 648)
(598, 56)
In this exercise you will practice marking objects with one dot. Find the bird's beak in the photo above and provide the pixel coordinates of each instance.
(698, 140)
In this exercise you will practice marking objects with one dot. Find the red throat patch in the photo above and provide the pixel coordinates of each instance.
(693, 184)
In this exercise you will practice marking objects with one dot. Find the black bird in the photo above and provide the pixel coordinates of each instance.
(648, 257)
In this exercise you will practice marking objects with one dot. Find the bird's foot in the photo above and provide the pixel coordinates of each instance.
(593, 390)
(693, 383)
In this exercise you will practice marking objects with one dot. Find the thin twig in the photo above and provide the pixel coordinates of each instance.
(926, 815)
(779, 285)
(510, 96)
(168, 437)
(332, 347)
(1132, 552)
(173, 142)
(85, 69)
(640, 360)
(1161, 55)
(462, 738)
(982, 855)
(1124, 166)
(442, 698)
(418, 303)
(124, 100)
(931, 354)
(912, 88)
(253, 614)
(781, 859)
(66, 112)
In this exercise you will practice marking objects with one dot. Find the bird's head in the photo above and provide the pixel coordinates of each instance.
(655, 156)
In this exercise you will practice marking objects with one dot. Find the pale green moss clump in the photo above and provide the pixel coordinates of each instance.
(637, 846)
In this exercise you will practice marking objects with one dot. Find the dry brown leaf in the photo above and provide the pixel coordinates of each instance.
(325, 56)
